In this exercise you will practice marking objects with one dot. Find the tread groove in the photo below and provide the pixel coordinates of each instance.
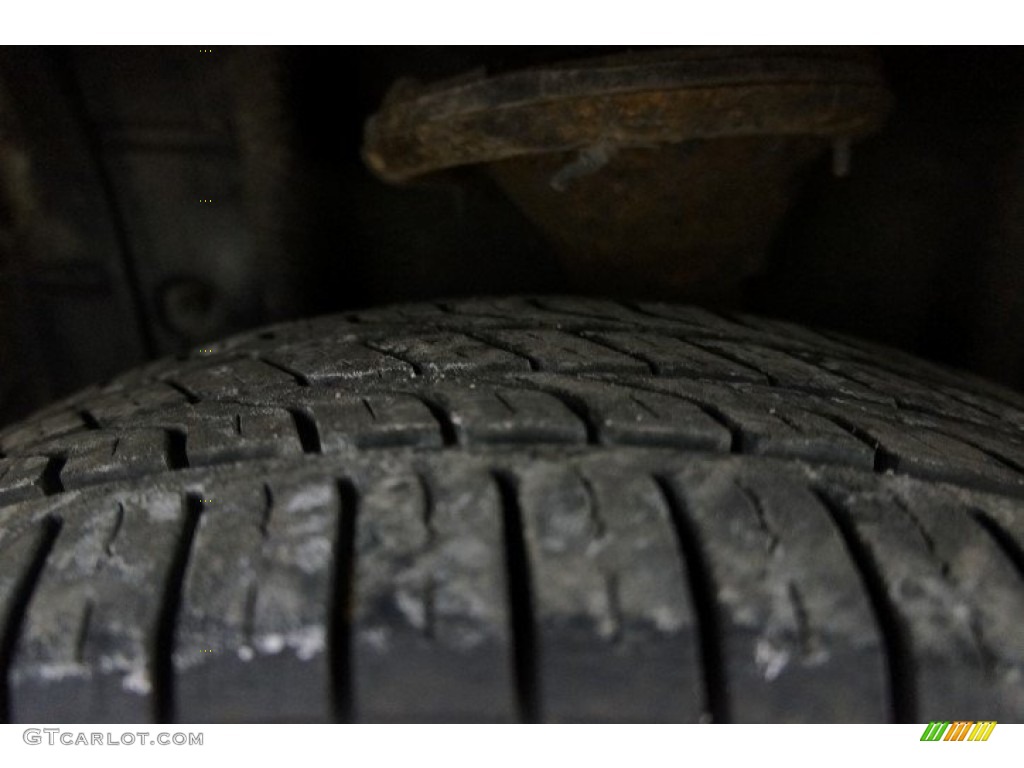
(449, 435)
(339, 630)
(83, 632)
(520, 596)
(899, 660)
(307, 430)
(249, 613)
(50, 479)
(974, 626)
(1013, 466)
(497, 344)
(428, 507)
(301, 379)
(736, 360)
(369, 408)
(190, 396)
(108, 546)
(774, 542)
(417, 368)
(1007, 544)
(600, 528)
(268, 511)
(612, 590)
(804, 633)
(12, 622)
(883, 461)
(702, 591)
(653, 367)
(163, 666)
(89, 419)
(579, 408)
(737, 439)
(176, 445)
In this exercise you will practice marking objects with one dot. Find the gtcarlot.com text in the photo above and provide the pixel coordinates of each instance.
(59, 736)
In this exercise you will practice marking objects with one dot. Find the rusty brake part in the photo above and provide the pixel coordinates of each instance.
(655, 174)
(636, 99)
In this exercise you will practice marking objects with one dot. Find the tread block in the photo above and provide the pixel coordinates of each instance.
(577, 308)
(490, 415)
(338, 359)
(218, 433)
(109, 455)
(1005, 447)
(624, 416)
(19, 549)
(251, 642)
(669, 356)
(20, 436)
(787, 370)
(998, 404)
(115, 405)
(906, 392)
(927, 453)
(1008, 516)
(439, 354)
(564, 352)
(22, 548)
(430, 624)
(85, 654)
(21, 478)
(767, 425)
(915, 368)
(957, 599)
(793, 337)
(651, 419)
(215, 433)
(794, 621)
(610, 600)
(231, 378)
(347, 421)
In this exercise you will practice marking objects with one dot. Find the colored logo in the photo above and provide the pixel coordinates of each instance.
(960, 730)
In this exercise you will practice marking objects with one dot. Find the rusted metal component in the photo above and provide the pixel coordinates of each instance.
(634, 100)
(661, 173)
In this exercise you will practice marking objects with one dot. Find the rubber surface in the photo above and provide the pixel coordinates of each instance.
(519, 509)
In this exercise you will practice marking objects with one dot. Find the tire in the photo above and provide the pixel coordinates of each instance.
(501, 510)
